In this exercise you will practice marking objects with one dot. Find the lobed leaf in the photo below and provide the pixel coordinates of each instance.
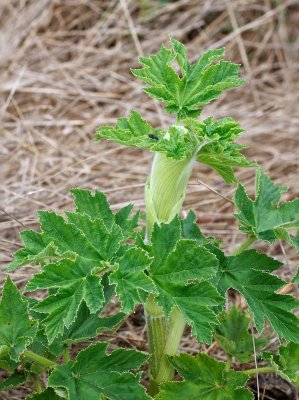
(264, 217)
(75, 284)
(204, 378)
(132, 284)
(286, 361)
(249, 274)
(195, 86)
(17, 331)
(95, 374)
(179, 270)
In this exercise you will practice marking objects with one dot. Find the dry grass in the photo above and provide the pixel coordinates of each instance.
(64, 70)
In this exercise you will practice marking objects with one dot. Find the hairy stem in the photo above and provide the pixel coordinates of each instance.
(244, 245)
(37, 383)
(39, 359)
(228, 363)
(66, 354)
(260, 370)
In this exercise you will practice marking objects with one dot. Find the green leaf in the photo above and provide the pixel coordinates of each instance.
(16, 329)
(93, 204)
(178, 271)
(75, 283)
(264, 217)
(196, 85)
(204, 378)
(132, 284)
(48, 394)
(92, 234)
(95, 374)
(286, 361)
(212, 141)
(248, 273)
(16, 379)
(233, 336)
(190, 229)
(38, 250)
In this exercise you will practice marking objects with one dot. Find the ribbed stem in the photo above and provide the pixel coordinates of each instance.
(156, 332)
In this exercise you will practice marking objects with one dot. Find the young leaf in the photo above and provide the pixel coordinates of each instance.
(75, 283)
(17, 331)
(204, 378)
(233, 336)
(264, 217)
(95, 374)
(197, 85)
(211, 141)
(248, 273)
(286, 362)
(132, 284)
(179, 272)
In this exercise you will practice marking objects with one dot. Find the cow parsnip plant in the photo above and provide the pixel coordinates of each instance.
(178, 274)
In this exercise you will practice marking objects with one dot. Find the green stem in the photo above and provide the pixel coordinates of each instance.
(228, 363)
(66, 354)
(244, 245)
(260, 370)
(156, 331)
(37, 383)
(39, 359)
(176, 329)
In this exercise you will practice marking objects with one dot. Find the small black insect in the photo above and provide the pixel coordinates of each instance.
(151, 136)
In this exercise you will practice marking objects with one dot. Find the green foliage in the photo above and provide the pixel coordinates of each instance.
(211, 141)
(204, 378)
(196, 84)
(249, 274)
(92, 254)
(94, 374)
(16, 379)
(233, 336)
(17, 331)
(286, 362)
(264, 217)
(180, 270)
